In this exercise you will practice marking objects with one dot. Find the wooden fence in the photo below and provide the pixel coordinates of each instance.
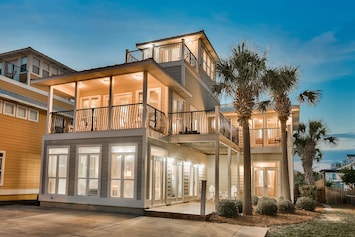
(335, 195)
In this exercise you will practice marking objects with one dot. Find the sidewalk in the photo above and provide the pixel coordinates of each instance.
(19, 220)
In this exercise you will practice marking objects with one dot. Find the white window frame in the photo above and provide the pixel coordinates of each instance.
(2, 167)
(38, 67)
(122, 179)
(87, 178)
(11, 104)
(45, 69)
(33, 111)
(57, 177)
(17, 111)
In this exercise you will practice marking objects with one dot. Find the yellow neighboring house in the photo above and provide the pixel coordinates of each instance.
(23, 120)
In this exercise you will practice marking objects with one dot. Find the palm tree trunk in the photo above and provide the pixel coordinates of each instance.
(285, 177)
(307, 164)
(247, 207)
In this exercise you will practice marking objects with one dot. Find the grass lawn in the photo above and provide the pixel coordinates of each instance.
(336, 221)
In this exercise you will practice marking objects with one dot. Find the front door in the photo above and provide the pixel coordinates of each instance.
(265, 182)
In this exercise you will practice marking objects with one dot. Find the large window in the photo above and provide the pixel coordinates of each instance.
(2, 167)
(23, 64)
(122, 171)
(57, 170)
(88, 171)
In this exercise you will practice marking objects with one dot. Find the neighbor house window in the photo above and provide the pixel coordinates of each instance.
(33, 115)
(21, 112)
(35, 66)
(9, 108)
(57, 170)
(88, 171)
(0, 106)
(23, 64)
(123, 163)
(2, 167)
(45, 69)
(54, 71)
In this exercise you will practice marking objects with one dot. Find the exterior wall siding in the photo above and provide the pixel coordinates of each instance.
(22, 144)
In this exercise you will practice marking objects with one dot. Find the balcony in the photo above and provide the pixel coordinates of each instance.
(103, 118)
(202, 122)
(130, 117)
(164, 54)
(265, 137)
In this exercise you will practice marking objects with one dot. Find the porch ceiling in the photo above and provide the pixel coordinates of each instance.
(205, 143)
(148, 65)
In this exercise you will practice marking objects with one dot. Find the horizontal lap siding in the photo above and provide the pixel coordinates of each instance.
(21, 140)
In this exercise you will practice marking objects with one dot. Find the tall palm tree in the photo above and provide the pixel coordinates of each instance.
(306, 140)
(241, 79)
(280, 82)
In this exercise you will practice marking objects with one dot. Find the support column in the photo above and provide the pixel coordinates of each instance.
(49, 110)
(229, 172)
(110, 99)
(145, 98)
(238, 174)
(216, 177)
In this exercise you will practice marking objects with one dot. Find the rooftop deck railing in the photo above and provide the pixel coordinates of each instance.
(164, 54)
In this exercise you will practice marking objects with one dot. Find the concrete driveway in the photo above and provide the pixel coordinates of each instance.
(23, 220)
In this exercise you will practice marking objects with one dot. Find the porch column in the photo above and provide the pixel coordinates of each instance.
(182, 62)
(229, 172)
(49, 110)
(110, 104)
(238, 174)
(76, 96)
(145, 98)
(216, 177)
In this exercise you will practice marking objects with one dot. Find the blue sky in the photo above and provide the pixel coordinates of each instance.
(316, 36)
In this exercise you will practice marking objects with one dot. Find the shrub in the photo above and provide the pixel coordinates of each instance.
(254, 200)
(308, 191)
(227, 208)
(285, 206)
(306, 203)
(266, 206)
(239, 204)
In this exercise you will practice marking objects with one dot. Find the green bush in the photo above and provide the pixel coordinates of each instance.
(239, 204)
(267, 206)
(285, 206)
(308, 191)
(227, 208)
(306, 203)
(254, 200)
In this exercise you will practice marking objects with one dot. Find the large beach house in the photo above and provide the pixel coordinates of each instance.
(148, 131)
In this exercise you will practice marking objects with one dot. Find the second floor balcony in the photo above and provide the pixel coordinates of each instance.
(130, 116)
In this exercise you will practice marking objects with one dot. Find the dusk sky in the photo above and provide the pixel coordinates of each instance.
(316, 36)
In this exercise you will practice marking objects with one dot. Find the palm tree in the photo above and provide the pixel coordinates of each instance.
(306, 140)
(280, 82)
(241, 79)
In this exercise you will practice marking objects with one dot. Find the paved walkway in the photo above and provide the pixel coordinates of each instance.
(19, 220)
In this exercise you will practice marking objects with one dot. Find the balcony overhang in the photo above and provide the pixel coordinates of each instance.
(148, 65)
(204, 143)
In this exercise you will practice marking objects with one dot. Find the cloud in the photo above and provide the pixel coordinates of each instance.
(345, 141)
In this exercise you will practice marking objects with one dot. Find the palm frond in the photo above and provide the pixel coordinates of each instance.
(310, 96)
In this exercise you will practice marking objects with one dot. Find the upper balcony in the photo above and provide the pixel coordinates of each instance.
(175, 52)
(130, 116)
